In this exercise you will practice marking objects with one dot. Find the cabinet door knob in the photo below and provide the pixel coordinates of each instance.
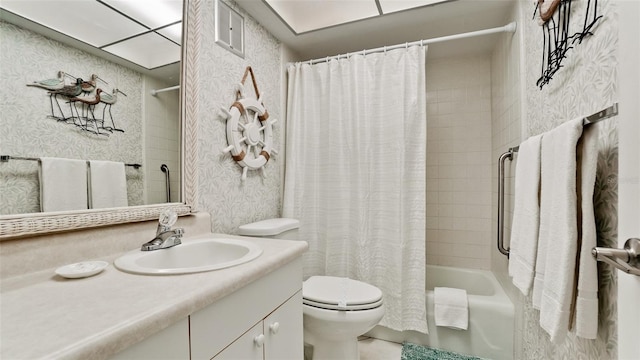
(259, 340)
(274, 327)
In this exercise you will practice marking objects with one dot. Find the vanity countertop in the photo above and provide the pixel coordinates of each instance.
(44, 315)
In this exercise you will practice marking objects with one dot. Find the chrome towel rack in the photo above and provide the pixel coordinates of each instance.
(509, 154)
(5, 158)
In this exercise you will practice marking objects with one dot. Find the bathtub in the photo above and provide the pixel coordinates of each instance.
(491, 316)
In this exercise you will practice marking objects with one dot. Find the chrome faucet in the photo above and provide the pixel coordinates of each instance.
(165, 236)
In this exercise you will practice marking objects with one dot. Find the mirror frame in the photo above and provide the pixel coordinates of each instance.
(22, 225)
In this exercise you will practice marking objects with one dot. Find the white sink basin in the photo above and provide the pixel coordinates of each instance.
(190, 257)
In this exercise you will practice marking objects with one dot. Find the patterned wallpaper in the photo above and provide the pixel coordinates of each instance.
(586, 84)
(231, 202)
(27, 131)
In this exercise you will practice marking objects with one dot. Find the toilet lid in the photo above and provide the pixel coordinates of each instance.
(339, 293)
(269, 227)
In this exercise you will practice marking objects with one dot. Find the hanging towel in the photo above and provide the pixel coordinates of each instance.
(526, 215)
(586, 304)
(451, 308)
(558, 237)
(107, 184)
(63, 184)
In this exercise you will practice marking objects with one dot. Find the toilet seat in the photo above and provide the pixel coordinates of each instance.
(339, 293)
(338, 308)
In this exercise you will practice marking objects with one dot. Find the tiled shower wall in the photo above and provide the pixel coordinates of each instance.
(506, 74)
(459, 162)
(162, 141)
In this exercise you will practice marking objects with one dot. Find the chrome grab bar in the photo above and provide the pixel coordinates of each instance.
(165, 170)
(501, 161)
(626, 259)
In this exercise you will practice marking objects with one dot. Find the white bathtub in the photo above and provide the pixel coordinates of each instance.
(491, 321)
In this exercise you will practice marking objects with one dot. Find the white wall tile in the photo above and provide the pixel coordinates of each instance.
(459, 162)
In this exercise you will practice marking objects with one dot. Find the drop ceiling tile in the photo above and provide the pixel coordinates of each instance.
(149, 50)
(151, 13)
(86, 20)
(390, 6)
(308, 15)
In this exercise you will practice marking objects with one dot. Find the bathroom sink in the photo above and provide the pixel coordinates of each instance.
(190, 257)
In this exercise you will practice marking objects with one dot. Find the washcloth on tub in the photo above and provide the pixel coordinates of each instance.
(107, 184)
(451, 308)
(558, 237)
(526, 215)
(63, 184)
(586, 303)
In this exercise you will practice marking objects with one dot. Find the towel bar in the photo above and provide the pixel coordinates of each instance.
(626, 259)
(6, 158)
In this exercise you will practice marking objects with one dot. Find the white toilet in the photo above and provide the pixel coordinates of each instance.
(336, 310)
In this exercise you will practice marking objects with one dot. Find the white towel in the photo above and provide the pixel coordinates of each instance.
(107, 184)
(63, 184)
(451, 308)
(558, 237)
(586, 308)
(526, 215)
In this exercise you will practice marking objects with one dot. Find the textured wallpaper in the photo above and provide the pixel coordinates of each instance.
(586, 84)
(27, 131)
(230, 202)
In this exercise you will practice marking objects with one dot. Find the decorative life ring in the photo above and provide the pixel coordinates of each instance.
(249, 134)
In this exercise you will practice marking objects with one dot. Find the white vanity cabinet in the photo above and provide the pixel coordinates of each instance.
(262, 320)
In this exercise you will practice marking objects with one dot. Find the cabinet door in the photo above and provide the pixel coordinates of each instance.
(283, 331)
(249, 346)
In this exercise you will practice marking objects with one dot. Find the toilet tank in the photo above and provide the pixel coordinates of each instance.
(279, 228)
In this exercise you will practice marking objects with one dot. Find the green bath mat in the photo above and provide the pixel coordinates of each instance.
(417, 352)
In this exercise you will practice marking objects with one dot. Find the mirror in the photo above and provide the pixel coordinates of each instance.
(33, 120)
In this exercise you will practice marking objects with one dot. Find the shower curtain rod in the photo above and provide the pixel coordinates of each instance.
(155, 92)
(511, 27)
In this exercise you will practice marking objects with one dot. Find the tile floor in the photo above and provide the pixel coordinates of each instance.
(375, 349)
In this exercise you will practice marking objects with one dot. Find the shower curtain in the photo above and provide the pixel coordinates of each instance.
(355, 174)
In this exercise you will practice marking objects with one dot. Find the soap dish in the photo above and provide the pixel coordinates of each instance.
(82, 269)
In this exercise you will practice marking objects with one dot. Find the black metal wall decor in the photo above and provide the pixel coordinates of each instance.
(554, 16)
(82, 97)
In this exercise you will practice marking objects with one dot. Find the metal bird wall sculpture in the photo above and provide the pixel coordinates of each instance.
(72, 93)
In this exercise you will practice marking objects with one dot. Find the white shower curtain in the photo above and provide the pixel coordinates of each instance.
(355, 174)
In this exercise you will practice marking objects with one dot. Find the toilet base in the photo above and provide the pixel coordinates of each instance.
(346, 349)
